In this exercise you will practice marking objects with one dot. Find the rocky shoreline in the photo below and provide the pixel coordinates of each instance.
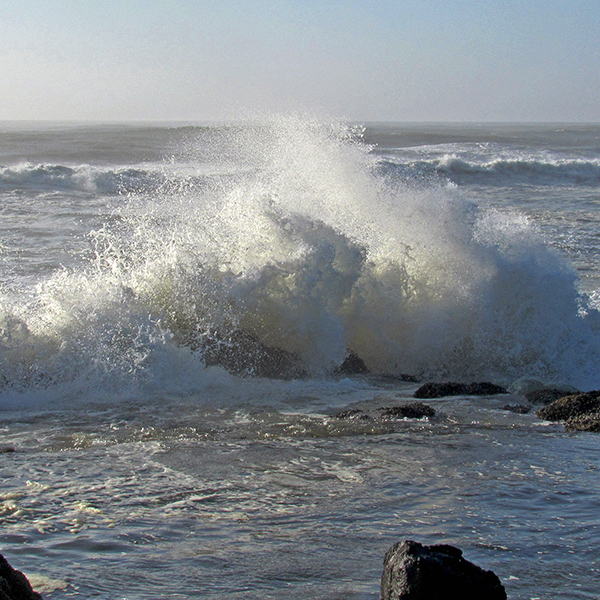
(578, 411)
(411, 571)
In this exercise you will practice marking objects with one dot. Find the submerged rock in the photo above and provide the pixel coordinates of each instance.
(537, 392)
(14, 585)
(410, 410)
(353, 413)
(412, 571)
(569, 407)
(546, 395)
(413, 410)
(450, 388)
(519, 409)
(400, 378)
(242, 353)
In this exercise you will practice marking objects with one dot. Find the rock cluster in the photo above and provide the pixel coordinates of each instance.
(580, 412)
(14, 585)
(412, 571)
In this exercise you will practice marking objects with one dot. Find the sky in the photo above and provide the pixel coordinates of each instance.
(363, 60)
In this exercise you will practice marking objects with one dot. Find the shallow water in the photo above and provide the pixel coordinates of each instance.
(261, 503)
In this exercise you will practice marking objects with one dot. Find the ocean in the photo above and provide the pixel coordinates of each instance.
(178, 303)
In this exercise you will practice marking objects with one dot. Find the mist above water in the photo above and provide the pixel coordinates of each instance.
(290, 233)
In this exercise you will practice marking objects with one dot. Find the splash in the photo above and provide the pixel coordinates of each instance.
(293, 253)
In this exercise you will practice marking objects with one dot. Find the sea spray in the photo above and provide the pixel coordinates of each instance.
(300, 242)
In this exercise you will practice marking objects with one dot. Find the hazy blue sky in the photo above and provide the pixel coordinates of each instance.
(400, 60)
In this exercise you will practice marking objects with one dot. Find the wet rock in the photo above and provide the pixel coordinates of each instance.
(519, 409)
(569, 407)
(352, 413)
(346, 414)
(412, 571)
(14, 585)
(401, 378)
(413, 410)
(353, 365)
(485, 388)
(450, 388)
(242, 353)
(587, 422)
(438, 390)
(546, 395)
(537, 392)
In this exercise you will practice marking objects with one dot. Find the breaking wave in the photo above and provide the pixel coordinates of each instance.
(504, 171)
(84, 178)
(287, 267)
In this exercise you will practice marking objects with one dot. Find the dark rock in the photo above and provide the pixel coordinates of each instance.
(519, 409)
(450, 388)
(572, 406)
(527, 387)
(438, 390)
(7, 450)
(14, 585)
(587, 422)
(402, 377)
(484, 388)
(412, 571)
(242, 353)
(353, 365)
(546, 396)
(413, 410)
(351, 412)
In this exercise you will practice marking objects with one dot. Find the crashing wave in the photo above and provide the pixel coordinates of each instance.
(309, 255)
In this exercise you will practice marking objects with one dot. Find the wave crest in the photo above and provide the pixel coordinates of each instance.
(308, 255)
(84, 178)
(502, 171)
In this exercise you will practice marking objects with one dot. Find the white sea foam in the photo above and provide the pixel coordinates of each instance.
(309, 249)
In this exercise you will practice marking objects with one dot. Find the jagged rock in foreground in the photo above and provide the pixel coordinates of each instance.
(451, 388)
(412, 571)
(14, 585)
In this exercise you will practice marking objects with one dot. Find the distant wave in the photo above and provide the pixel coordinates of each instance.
(501, 170)
(109, 181)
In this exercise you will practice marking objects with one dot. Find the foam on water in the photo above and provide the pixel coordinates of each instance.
(302, 244)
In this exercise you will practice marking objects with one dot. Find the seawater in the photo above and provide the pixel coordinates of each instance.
(463, 252)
